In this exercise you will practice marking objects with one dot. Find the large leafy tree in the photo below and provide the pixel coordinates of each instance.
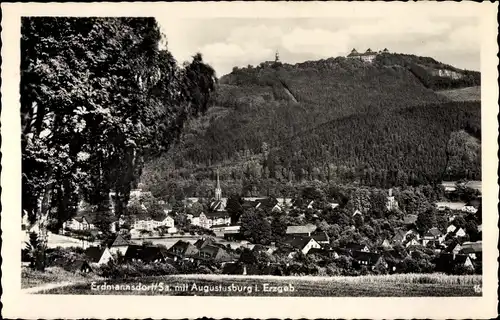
(98, 96)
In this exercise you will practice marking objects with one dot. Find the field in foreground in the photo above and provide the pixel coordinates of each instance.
(404, 285)
(32, 278)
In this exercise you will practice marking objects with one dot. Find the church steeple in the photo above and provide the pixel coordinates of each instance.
(218, 190)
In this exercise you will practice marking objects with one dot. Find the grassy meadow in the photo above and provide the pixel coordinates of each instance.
(463, 94)
(401, 285)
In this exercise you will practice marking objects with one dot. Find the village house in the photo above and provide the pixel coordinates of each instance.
(84, 222)
(325, 252)
(332, 205)
(182, 250)
(386, 244)
(451, 228)
(79, 265)
(146, 254)
(310, 204)
(321, 237)
(350, 247)
(207, 220)
(119, 245)
(98, 256)
(304, 230)
(460, 232)
(449, 186)
(399, 237)
(464, 260)
(148, 223)
(447, 261)
(469, 209)
(412, 233)
(284, 203)
(433, 235)
(454, 249)
(368, 259)
(356, 213)
(303, 244)
(213, 253)
(202, 242)
(412, 242)
(473, 249)
(451, 205)
(266, 249)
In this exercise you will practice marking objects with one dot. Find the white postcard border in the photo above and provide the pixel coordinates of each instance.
(15, 304)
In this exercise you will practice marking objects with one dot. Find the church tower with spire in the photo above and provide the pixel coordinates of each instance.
(218, 190)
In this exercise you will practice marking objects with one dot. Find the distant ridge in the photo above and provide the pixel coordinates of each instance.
(317, 118)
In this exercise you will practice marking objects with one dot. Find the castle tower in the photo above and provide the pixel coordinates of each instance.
(277, 57)
(218, 190)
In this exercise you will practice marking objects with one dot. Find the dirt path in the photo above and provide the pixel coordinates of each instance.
(50, 286)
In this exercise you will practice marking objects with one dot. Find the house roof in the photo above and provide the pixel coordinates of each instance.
(476, 246)
(215, 252)
(200, 243)
(410, 218)
(355, 246)
(268, 203)
(393, 254)
(453, 247)
(319, 251)
(217, 214)
(461, 258)
(308, 228)
(369, 257)
(320, 236)
(77, 265)
(453, 205)
(250, 204)
(399, 235)
(145, 253)
(298, 242)
(467, 251)
(434, 232)
(119, 241)
(218, 204)
(94, 254)
(186, 248)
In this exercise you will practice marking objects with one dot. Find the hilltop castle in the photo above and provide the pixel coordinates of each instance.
(367, 56)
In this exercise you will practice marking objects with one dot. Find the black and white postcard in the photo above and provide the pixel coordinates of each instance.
(312, 159)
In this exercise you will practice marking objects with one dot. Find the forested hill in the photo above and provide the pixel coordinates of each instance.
(290, 122)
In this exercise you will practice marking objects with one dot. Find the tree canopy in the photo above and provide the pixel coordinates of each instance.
(98, 97)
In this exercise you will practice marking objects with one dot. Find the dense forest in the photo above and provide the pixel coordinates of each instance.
(335, 120)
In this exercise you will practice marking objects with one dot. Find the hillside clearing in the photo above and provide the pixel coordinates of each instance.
(462, 94)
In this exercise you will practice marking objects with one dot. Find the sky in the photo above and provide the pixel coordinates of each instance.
(228, 42)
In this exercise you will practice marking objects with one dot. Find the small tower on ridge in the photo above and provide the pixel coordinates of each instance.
(277, 57)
